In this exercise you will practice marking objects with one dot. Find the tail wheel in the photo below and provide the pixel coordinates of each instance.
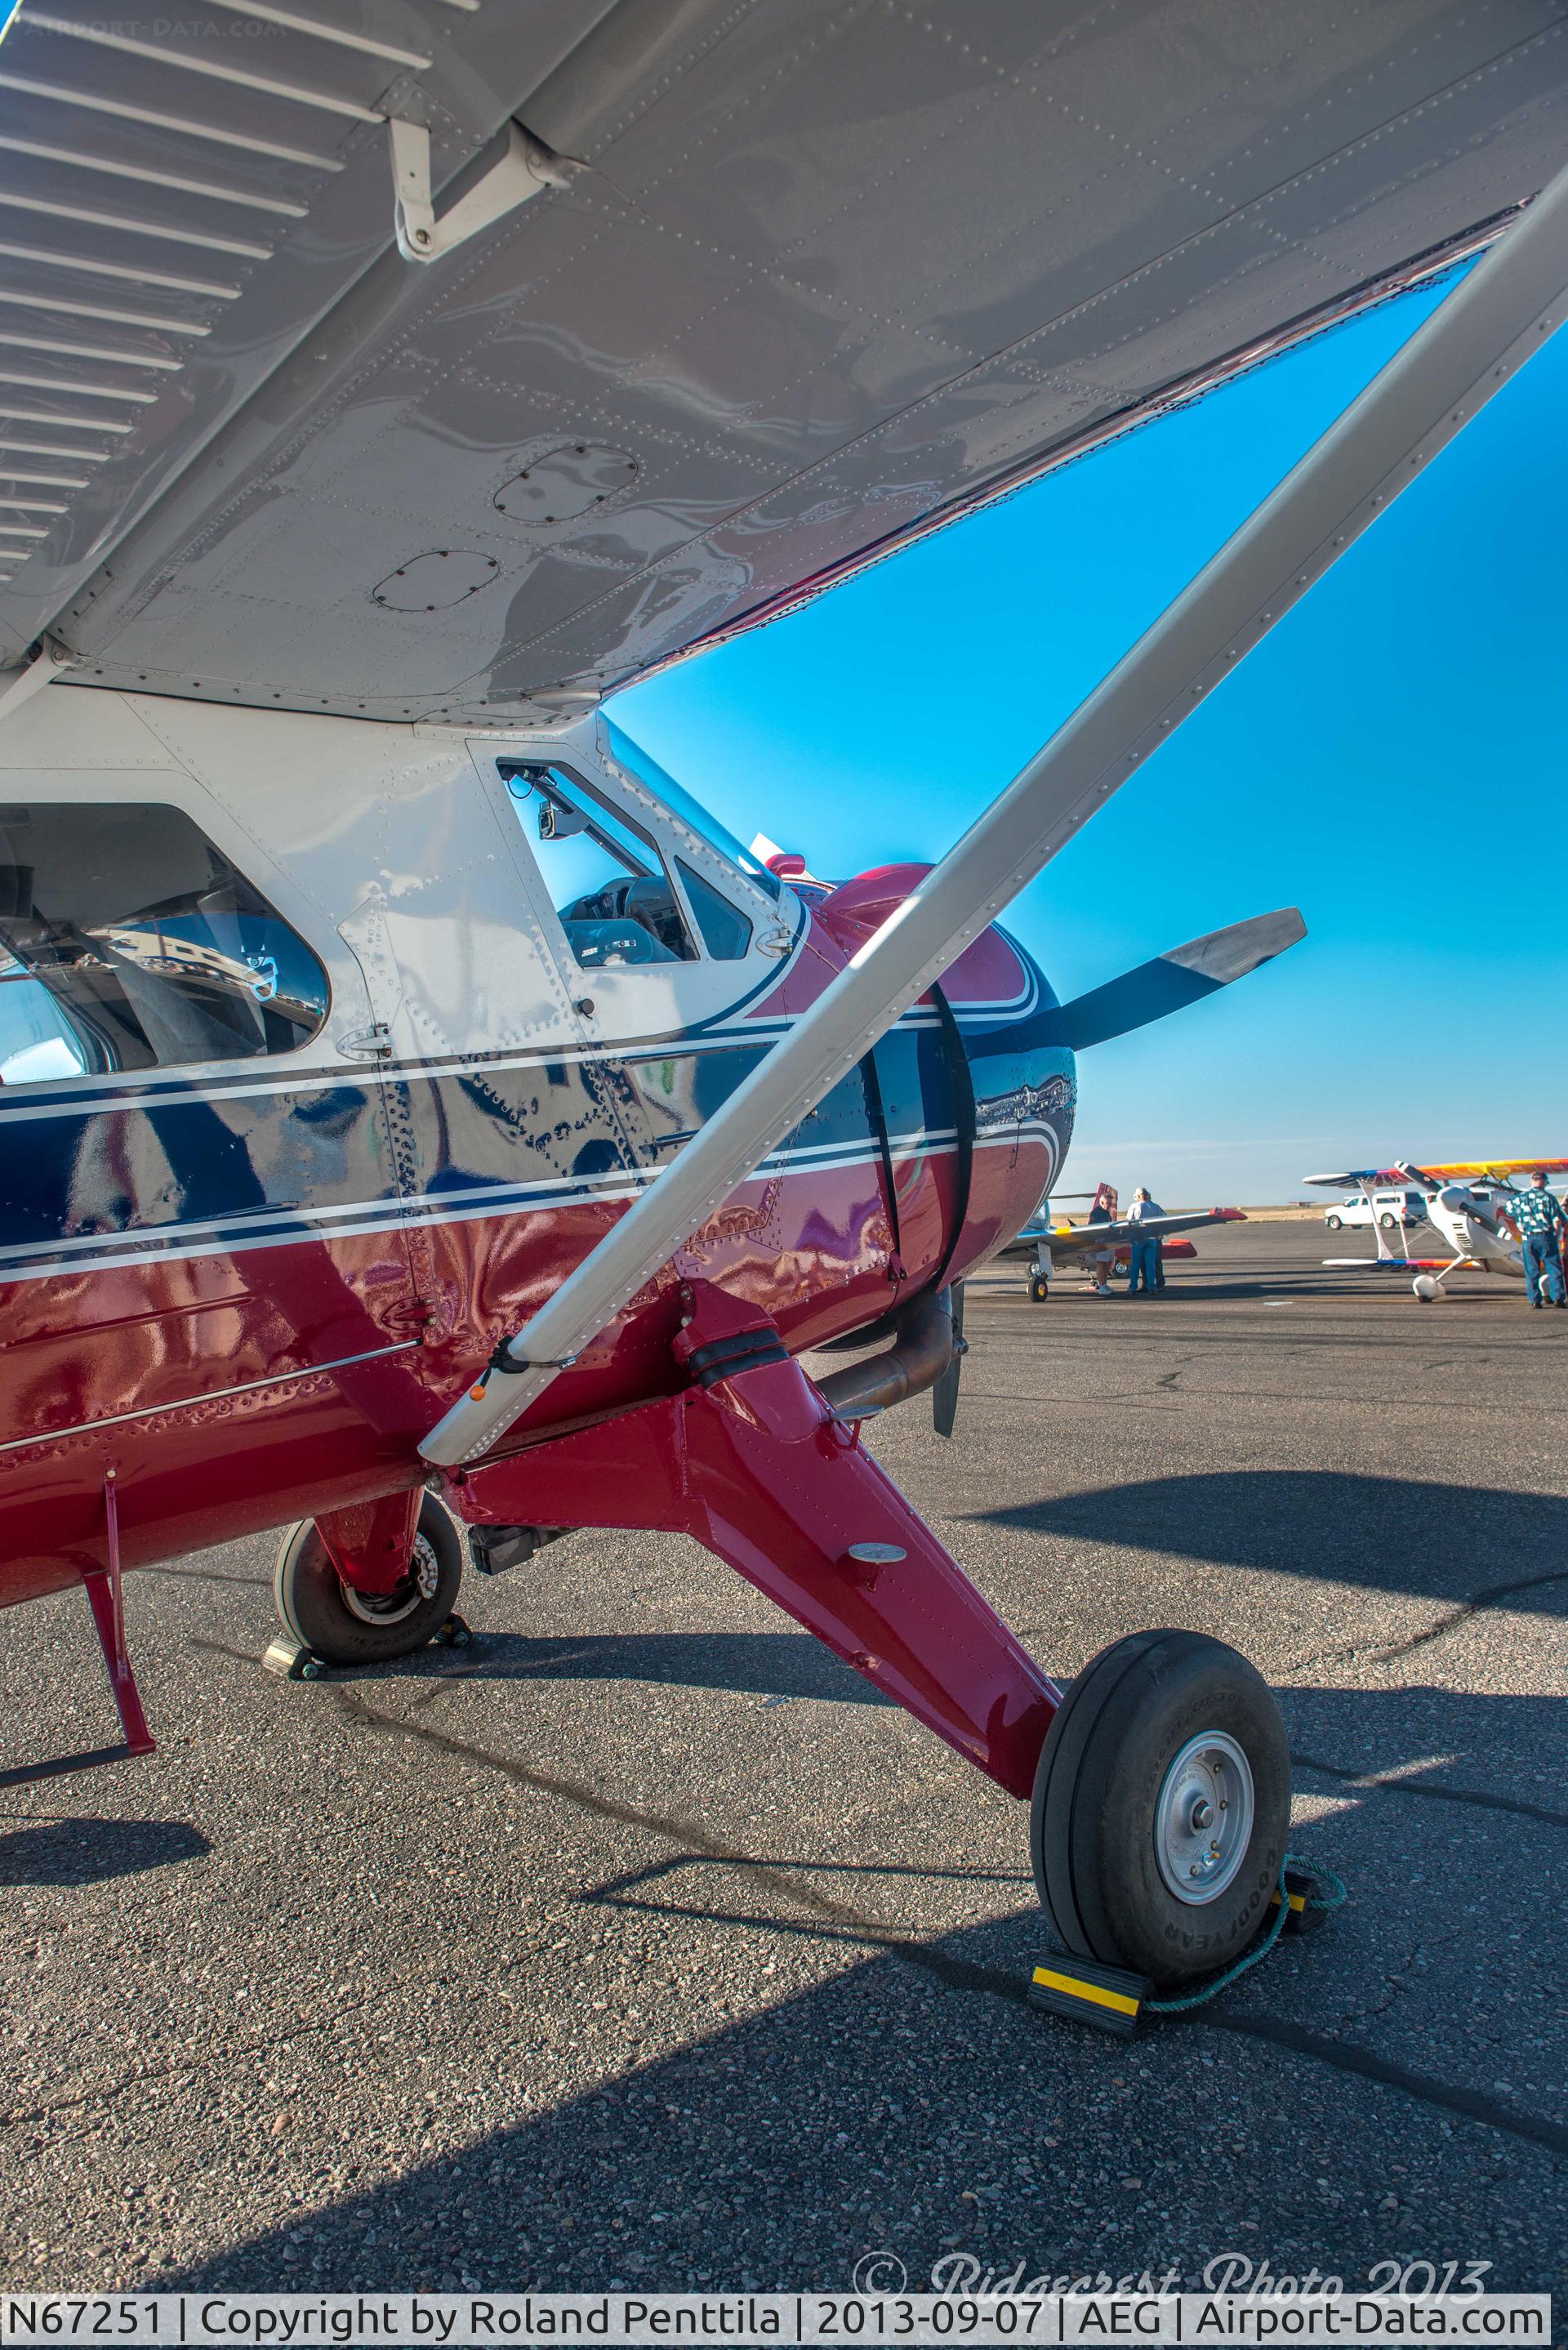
(1039, 1289)
(1161, 1806)
(346, 1627)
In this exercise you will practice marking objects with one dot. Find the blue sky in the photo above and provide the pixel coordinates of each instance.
(1391, 760)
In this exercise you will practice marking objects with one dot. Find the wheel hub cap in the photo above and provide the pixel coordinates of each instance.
(1203, 1819)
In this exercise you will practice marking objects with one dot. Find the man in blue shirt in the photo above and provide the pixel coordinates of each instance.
(1145, 1248)
(1537, 1216)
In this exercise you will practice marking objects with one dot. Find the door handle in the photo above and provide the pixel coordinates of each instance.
(367, 1044)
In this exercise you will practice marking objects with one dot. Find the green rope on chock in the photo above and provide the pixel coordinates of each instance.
(1327, 1892)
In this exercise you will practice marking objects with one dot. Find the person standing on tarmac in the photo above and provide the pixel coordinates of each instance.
(1538, 1218)
(1104, 1212)
(1144, 1246)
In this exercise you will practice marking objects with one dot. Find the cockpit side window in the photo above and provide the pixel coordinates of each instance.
(726, 933)
(606, 880)
(128, 940)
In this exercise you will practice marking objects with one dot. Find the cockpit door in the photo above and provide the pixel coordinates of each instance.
(508, 1126)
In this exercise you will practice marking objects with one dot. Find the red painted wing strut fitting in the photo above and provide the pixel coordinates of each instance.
(751, 1461)
(106, 1597)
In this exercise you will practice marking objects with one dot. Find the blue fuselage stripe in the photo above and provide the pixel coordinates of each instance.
(165, 1171)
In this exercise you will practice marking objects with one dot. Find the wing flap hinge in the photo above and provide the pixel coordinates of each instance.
(526, 168)
(44, 661)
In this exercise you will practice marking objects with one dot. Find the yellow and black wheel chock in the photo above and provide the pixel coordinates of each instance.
(1109, 1998)
(1306, 1910)
(291, 1660)
(1115, 1999)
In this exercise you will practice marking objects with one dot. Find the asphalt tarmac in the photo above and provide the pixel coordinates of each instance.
(641, 1944)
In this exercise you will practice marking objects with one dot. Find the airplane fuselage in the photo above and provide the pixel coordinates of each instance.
(1468, 1225)
(244, 1287)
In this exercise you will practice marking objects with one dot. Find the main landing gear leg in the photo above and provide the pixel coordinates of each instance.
(364, 1585)
(1160, 1785)
(751, 1461)
(1428, 1287)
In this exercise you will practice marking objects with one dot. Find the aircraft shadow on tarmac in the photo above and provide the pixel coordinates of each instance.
(730, 2158)
(1345, 1735)
(1218, 1289)
(770, 1664)
(1436, 1747)
(65, 1852)
(1458, 1543)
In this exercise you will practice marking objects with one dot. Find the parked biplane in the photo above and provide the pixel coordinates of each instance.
(1466, 1203)
(420, 1121)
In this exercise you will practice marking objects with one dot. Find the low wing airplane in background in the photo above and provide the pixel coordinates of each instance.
(1044, 1240)
(418, 1114)
(1466, 1203)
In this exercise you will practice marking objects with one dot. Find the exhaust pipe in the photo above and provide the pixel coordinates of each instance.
(924, 1347)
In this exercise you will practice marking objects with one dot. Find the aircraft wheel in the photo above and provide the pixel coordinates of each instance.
(1039, 1289)
(1428, 1290)
(346, 1626)
(1161, 1806)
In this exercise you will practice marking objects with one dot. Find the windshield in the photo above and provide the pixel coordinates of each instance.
(708, 827)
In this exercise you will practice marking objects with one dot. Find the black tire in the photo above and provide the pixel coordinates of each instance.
(1333, 1222)
(1108, 1756)
(346, 1627)
(1388, 1222)
(1039, 1290)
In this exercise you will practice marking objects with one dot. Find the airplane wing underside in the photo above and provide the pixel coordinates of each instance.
(803, 278)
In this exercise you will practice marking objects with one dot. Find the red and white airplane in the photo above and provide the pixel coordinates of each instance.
(1466, 1203)
(420, 1121)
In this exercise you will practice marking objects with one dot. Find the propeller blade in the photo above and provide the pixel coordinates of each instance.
(1174, 980)
(945, 1394)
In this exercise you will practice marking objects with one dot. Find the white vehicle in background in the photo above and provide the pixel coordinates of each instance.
(1389, 1208)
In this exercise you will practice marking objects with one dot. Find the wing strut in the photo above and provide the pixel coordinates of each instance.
(1486, 329)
